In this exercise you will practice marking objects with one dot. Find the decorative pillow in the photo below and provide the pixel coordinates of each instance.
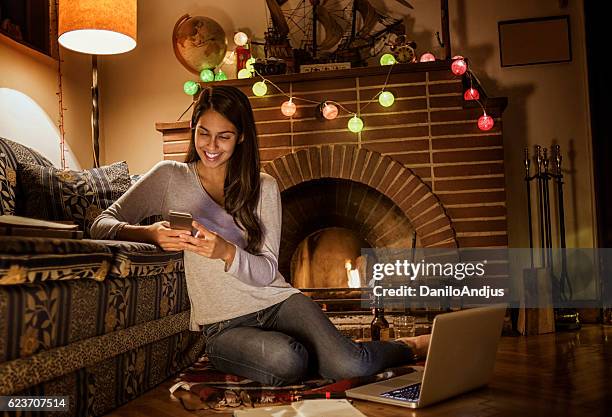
(79, 196)
(11, 155)
(8, 183)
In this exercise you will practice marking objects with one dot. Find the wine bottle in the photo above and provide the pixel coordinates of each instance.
(379, 328)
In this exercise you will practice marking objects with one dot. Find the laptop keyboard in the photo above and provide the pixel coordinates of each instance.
(409, 393)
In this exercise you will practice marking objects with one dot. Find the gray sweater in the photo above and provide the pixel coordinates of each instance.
(251, 283)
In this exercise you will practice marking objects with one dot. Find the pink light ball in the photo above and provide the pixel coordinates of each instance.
(485, 122)
(330, 111)
(471, 94)
(458, 67)
(427, 57)
(288, 108)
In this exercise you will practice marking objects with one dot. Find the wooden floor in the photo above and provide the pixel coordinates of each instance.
(562, 374)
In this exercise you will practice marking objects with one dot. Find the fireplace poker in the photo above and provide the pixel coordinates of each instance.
(528, 185)
(547, 217)
(540, 200)
(558, 174)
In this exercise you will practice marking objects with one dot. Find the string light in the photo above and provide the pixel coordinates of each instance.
(249, 64)
(459, 66)
(207, 75)
(355, 124)
(330, 109)
(241, 38)
(485, 122)
(427, 57)
(386, 98)
(191, 87)
(288, 108)
(244, 73)
(220, 76)
(260, 88)
(387, 59)
(471, 94)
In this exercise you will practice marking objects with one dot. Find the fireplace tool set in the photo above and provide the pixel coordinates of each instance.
(547, 170)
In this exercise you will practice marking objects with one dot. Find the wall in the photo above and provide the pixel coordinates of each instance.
(547, 103)
(30, 109)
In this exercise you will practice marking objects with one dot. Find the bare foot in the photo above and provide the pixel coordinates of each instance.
(419, 344)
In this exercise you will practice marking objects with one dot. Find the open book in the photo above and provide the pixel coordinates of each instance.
(27, 226)
(306, 408)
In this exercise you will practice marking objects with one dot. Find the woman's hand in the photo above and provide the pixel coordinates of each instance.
(168, 239)
(209, 244)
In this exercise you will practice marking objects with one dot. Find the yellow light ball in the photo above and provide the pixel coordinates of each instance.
(241, 38)
(355, 124)
(249, 64)
(387, 59)
(386, 98)
(244, 73)
(260, 88)
(288, 108)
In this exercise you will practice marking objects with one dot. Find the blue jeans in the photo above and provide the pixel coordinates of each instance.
(294, 339)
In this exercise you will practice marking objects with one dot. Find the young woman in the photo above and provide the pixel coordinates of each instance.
(256, 325)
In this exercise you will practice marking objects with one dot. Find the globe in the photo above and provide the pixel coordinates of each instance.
(199, 43)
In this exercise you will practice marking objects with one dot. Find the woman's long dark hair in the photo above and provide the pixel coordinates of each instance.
(241, 188)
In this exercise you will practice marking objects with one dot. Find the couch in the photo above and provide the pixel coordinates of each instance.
(98, 321)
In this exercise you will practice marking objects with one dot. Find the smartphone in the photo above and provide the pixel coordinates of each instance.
(180, 221)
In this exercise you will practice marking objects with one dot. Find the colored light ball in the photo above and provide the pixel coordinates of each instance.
(355, 124)
(249, 64)
(386, 98)
(485, 122)
(288, 108)
(191, 88)
(427, 57)
(220, 76)
(458, 57)
(387, 59)
(260, 88)
(244, 73)
(459, 67)
(330, 111)
(241, 38)
(471, 94)
(207, 75)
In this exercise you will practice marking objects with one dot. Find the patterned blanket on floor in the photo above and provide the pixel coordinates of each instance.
(201, 387)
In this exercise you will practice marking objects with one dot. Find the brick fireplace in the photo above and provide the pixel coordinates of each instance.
(420, 167)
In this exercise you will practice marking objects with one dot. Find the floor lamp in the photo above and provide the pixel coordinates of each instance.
(97, 27)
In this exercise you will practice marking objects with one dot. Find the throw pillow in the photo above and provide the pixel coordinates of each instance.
(79, 196)
(11, 154)
(8, 183)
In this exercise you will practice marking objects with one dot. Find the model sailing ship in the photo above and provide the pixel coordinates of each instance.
(352, 31)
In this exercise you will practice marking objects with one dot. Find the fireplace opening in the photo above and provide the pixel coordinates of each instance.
(329, 258)
(326, 223)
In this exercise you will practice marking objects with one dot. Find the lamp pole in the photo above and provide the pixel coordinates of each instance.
(95, 115)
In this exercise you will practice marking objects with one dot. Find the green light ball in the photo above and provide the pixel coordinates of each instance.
(260, 88)
(191, 88)
(386, 98)
(244, 73)
(387, 59)
(220, 76)
(207, 75)
(355, 124)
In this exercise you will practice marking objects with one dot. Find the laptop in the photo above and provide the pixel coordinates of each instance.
(460, 357)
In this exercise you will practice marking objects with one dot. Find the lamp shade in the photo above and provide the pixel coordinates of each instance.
(97, 27)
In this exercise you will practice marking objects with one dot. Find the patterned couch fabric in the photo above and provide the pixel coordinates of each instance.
(42, 316)
(11, 155)
(79, 196)
(28, 260)
(137, 259)
(95, 389)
